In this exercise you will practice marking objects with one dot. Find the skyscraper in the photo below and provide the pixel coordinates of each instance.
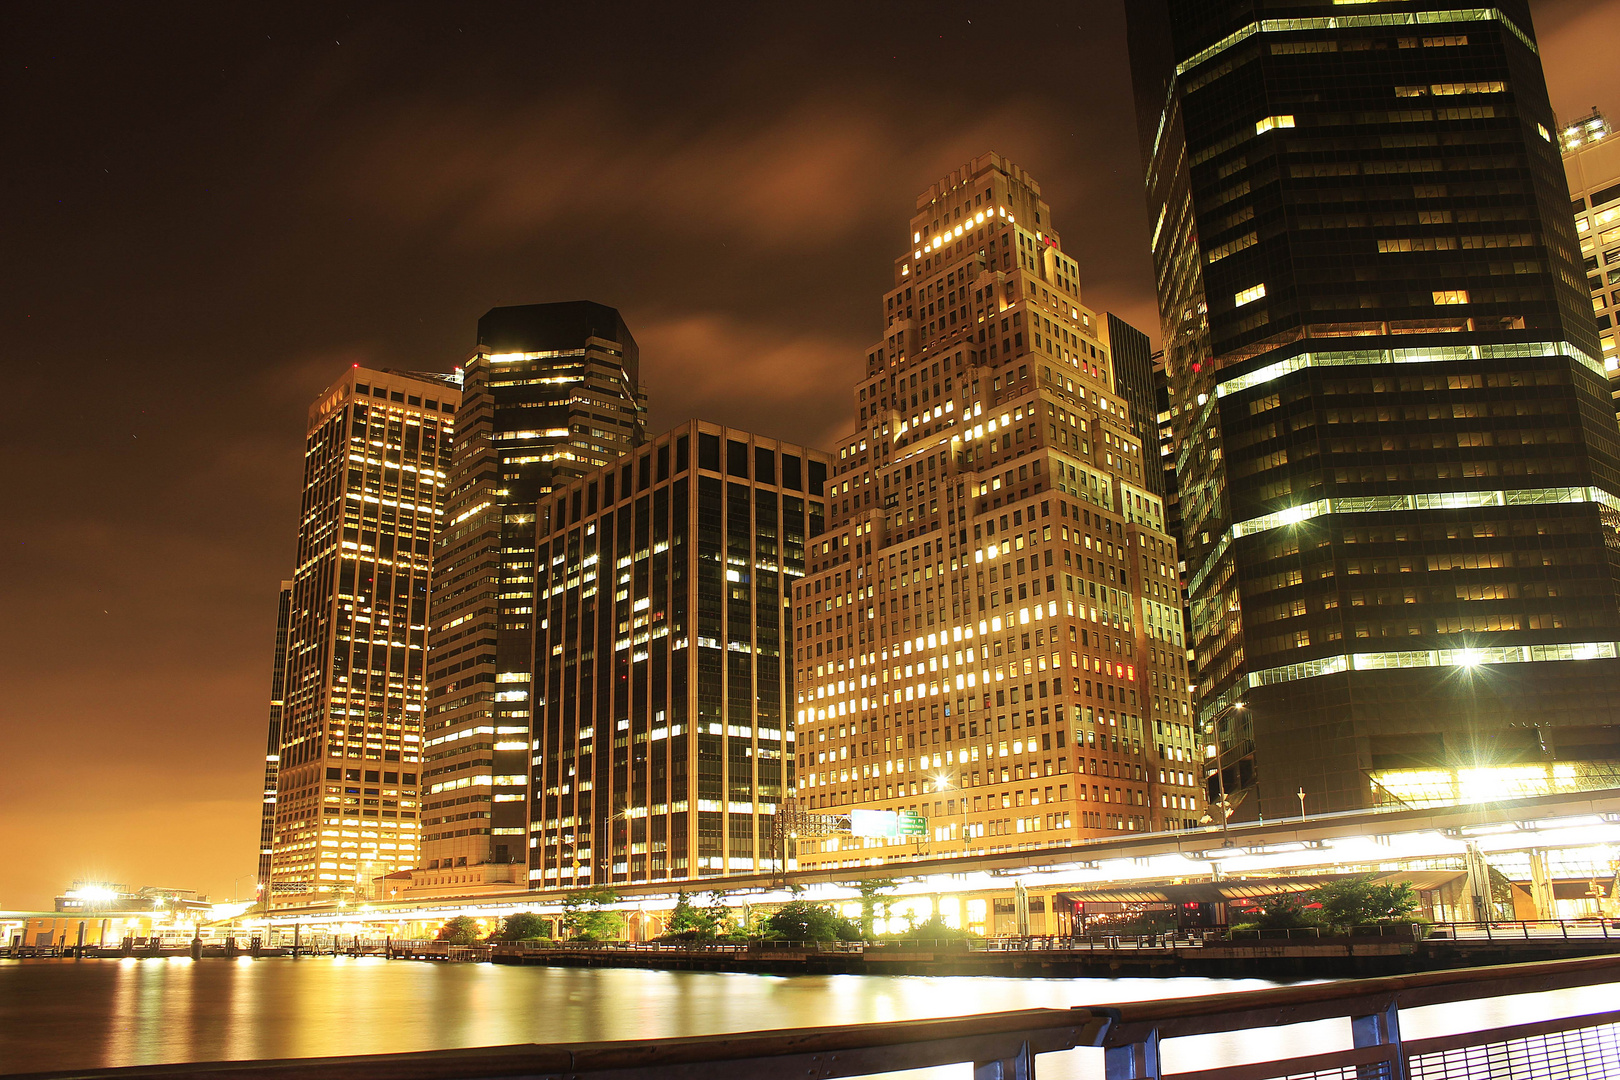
(1396, 457)
(1592, 166)
(550, 393)
(272, 748)
(351, 726)
(988, 638)
(663, 736)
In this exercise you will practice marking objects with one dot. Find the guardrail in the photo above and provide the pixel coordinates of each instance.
(1004, 1046)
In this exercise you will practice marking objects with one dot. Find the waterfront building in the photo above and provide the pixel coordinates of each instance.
(1395, 452)
(988, 640)
(375, 456)
(551, 392)
(1592, 166)
(663, 733)
(272, 748)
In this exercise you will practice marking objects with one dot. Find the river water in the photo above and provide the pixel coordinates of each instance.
(62, 1014)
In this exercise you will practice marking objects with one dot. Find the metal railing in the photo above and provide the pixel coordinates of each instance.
(1004, 1046)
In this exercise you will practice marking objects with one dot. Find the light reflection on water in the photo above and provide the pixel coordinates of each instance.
(64, 1015)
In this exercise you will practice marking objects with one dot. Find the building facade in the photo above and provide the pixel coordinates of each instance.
(663, 733)
(988, 637)
(1592, 166)
(272, 747)
(551, 392)
(348, 765)
(1395, 454)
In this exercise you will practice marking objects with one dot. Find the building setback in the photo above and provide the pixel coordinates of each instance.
(989, 635)
(272, 747)
(1592, 166)
(351, 727)
(663, 735)
(550, 393)
(1395, 451)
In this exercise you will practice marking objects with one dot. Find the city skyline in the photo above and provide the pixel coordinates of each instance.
(198, 672)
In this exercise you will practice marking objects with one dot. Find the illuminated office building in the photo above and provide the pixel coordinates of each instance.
(1395, 450)
(550, 393)
(348, 763)
(272, 748)
(1592, 166)
(988, 636)
(663, 735)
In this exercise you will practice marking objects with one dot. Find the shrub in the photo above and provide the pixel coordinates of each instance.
(801, 920)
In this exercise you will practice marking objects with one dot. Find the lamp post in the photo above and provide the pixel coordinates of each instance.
(1301, 794)
(942, 782)
(1218, 752)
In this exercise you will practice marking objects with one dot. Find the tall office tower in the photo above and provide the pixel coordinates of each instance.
(550, 393)
(1592, 166)
(1166, 406)
(1134, 381)
(351, 732)
(988, 638)
(663, 734)
(272, 747)
(1395, 450)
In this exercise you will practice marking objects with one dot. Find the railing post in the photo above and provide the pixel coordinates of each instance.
(1381, 1028)
(1021, 1066)
(1137, 1061)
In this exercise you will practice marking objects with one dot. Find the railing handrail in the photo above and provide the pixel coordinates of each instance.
(855, 1049)
(924, 1043)
(1175, 1017)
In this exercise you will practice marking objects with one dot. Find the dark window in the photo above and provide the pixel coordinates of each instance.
(334, 774)
(413, 400)
(643, 472)
(790, 472)
(736, 458)
(390, 777)
(397, 395)
(708, 451)
(764, 465)
(818, 477)
(410, 778)
(590, 499)
(607, 488)
(663, 462)
(682, 449)
(1608, 194)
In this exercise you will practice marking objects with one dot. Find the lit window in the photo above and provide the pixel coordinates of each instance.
(1263, 126)
(1451, 296)
(1255, 292)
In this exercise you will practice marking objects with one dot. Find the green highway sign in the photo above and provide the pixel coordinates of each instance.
(911, 823)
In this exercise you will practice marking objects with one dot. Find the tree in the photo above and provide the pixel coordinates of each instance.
(461, 930)
(688, 922)
(871, 892)
(523, 926)
(1359, 901)
(935, 929)
(801, 920)
(1283, 911)
(585, 918)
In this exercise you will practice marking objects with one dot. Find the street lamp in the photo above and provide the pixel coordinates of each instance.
(1301, 794)
(942, 782)
(1218, 752)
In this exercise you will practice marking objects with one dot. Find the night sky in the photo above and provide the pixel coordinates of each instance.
(207, 212)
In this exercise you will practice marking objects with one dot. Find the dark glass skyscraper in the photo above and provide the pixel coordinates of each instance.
(663, 654)
(1397, 462)
(550, 393)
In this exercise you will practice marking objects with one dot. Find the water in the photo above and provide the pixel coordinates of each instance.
(67, 1015)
